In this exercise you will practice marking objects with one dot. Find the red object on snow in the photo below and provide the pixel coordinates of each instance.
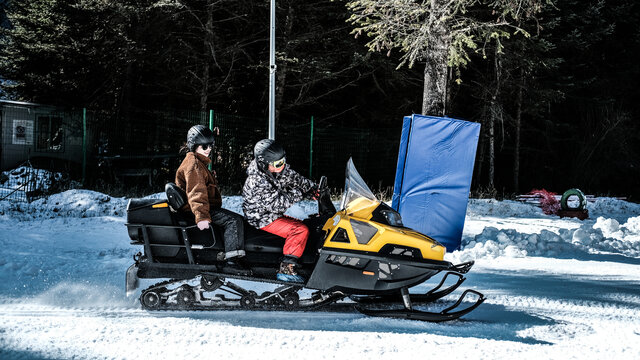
(580, 214)
(548, 202)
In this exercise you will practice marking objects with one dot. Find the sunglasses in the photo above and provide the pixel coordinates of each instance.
(278, 163)
(206, 147)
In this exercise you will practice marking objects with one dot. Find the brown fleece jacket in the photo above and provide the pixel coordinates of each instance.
(200, 185)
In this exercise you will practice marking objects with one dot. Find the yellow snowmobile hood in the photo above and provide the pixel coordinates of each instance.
(353, 229)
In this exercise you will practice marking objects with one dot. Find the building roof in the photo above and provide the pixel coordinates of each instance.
(23, 103)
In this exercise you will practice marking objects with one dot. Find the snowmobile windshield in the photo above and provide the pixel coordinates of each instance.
(356, 195)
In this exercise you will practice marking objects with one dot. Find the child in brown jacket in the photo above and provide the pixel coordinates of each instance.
(203, 194)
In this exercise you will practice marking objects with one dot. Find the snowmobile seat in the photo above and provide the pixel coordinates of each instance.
(154, 221)
(148, 211)
(176, 197)
(255, 240)
(163, 221)
(153, 217)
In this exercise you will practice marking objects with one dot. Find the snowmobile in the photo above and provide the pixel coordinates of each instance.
(362, 252)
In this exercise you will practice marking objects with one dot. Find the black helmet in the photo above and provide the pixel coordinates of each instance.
(199, 135)
(267, 151)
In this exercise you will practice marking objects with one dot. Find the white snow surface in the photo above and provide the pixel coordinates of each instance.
(556, 289)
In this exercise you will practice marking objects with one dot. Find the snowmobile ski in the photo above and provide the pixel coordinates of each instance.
(411, 314)
(430, 296)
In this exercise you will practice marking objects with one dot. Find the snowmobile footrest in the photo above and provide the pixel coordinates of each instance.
(444, 315)
(435, 294)
(430, 296)
(463, 268)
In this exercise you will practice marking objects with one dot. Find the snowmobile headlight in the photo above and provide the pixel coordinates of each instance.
(393, 218)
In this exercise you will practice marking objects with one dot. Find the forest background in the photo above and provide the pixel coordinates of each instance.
(556, 91)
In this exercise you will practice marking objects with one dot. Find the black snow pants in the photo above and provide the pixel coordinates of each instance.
(233, 228)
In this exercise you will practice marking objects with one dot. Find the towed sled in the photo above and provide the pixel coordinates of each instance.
(361, 252)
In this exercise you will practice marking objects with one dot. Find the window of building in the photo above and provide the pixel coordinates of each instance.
(49, 133)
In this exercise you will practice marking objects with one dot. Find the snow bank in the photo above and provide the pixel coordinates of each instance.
(71, 203)
(613, 208)
(87, 203)
(607, 207)
(505, 208)
(606, 235)
(615, 230)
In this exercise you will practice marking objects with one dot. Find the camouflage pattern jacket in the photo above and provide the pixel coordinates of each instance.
(267, 197)
(200, 185)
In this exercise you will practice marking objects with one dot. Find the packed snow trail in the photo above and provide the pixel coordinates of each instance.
(556, 289)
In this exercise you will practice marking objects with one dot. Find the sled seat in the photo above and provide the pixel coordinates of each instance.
(256, 240)
(163, 226)
(152, 218)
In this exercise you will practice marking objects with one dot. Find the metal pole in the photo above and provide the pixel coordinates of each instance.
(84, 145)
(272, 73)
(211, 128)
(311, 149)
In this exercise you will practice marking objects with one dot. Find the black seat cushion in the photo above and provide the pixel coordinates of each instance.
(256, 240)
(176, 197)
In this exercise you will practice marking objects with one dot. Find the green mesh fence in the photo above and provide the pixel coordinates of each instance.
(142, 147)
(374, 152)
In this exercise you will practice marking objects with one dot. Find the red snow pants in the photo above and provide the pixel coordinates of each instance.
(294, 231)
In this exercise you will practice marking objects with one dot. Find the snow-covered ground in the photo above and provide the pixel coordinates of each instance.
(556, 289)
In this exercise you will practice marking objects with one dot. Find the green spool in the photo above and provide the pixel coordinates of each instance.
(567, 194)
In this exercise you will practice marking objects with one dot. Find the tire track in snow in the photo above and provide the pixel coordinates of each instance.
(580, 309)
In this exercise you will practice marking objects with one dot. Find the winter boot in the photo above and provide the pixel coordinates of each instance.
(288, 273)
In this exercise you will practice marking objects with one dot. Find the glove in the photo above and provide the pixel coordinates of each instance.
(202, 225)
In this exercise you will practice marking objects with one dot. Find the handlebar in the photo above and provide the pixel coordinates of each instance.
(322, 184)
(325, 206)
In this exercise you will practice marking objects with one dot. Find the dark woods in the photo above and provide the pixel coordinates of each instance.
(559, 108)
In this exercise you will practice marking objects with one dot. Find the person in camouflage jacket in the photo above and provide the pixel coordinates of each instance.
(270, 189)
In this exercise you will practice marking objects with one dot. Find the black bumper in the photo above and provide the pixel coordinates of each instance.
(360, 273)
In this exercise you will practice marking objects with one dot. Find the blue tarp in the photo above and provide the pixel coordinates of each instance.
(433, 176)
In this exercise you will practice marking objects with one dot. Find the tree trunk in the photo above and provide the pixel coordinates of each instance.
(283, 68)
(434, 96)
(208, 45)
(480, 159)
(204, 89)
(123, 102)
(516, 151)
(495, 114)
(492, 155)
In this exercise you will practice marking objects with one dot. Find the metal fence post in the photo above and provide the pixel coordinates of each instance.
(311, 149)
(84, 145)
(211, 128)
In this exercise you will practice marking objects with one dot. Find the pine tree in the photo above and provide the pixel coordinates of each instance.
(33, 59)
(439, 32)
